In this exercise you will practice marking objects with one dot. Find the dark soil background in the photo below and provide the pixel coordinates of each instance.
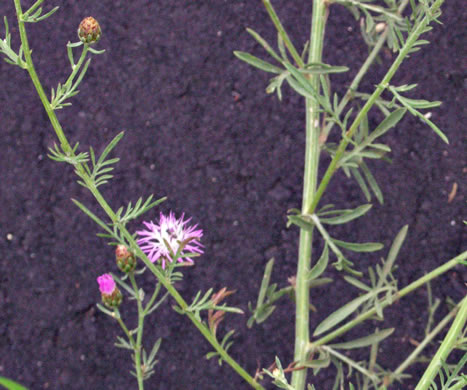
(201, 130)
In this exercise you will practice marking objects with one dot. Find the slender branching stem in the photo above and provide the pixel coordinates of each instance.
(283, 34)
(361, 73)
(153, 298)
(411, 359)
(351, 363)
(118, 317)
(445, 348)
(310, 180)
(412, 38)
(111, 214)
(139, 334)
(77, 66)
(387, 302)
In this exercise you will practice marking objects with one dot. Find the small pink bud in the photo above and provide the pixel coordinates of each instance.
(111, 295)
(106, 284)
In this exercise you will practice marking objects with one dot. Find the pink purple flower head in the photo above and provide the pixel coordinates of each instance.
(106, 284)
(162, 241)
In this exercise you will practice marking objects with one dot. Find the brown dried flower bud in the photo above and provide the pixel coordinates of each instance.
(89, 30)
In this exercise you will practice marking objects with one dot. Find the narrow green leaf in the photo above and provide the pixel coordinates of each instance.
(104, 310)
(92, 216)
(124, 285)
(263, 313)
(93, 156)
(305, 83)
(361, 182)
(263, 43)
(110, 146)
(281, 47)
(320, 68)
(265, 282)
(347, 215)
(372, 182)
(212, 354)
(32, 9)
(359, 247)
(382, 147)
(357, 283)
(11, 385)
(396, 246)
(319, 282)
(341, 314)
(390, 121)
(109, 162)
(363, 129)
(378, 309)
(364, 341)
(421, 103)
(403, 88)
(374, 154)
(79, 79)
(297, 87)
(318, 363)
(435, 128)
(257, 63)
(300, 222)
(320, 266)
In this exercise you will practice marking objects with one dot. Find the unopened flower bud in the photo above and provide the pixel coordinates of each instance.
(89, 30)
(380, 27)
(111, 295)
(126, 261)
(276, 373)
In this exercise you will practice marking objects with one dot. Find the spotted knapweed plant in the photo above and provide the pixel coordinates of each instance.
(336, 125)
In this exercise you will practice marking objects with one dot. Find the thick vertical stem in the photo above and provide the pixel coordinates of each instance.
(309, 187)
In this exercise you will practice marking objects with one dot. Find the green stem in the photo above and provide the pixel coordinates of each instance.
(412, 38)
(445, 348)
(429, 337)
(362, 71)
(33, 7)
(355, 82)
(387, 302)
(310, 180)
(139, 335)
(368, 374)
(280, 29)
(118, 317)
(153, 298)
(77, 66)
(113, 217)
(58, 99)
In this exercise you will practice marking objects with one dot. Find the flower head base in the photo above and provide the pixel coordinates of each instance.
(126, 261)
(89, 30)
(169, 239)
(111, 295)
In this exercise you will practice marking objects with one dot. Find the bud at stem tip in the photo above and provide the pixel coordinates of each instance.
(89, 30)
